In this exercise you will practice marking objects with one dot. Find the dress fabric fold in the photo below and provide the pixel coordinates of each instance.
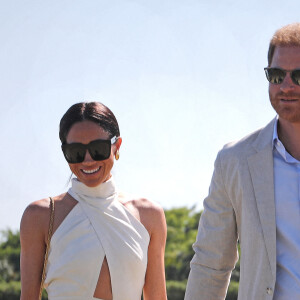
(98, 226)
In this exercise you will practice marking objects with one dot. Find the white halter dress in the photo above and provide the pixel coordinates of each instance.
(98, 226)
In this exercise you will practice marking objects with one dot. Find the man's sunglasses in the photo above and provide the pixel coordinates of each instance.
(277, 75)
(98, 149)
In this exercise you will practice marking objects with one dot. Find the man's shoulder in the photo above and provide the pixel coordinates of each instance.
(250, 143)
(243, 143)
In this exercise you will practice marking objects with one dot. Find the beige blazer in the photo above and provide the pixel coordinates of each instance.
(240, 206)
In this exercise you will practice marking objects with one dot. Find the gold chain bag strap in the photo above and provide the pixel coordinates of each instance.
(50, 230)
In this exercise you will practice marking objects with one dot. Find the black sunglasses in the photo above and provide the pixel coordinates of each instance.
(99, 150)
(277, 75)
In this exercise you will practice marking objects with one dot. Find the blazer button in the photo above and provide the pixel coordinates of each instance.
(269, 291)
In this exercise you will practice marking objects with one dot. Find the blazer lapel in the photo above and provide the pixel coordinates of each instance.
(262, 175)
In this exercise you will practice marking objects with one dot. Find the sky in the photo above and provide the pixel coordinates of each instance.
(182, 77)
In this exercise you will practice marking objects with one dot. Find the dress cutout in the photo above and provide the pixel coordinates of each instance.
(98, 226)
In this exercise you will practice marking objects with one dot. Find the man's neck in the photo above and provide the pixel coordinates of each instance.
(289, 135)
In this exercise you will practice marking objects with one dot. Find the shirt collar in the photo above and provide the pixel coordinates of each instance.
(277, 145)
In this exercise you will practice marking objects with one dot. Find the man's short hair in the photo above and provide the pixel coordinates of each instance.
(288, 35)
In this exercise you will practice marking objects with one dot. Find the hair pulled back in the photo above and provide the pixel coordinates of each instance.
(88, 111)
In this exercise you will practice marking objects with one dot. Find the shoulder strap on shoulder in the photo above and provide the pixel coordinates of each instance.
(50, 231)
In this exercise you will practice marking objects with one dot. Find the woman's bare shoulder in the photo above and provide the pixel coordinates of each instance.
(33, 223)
(36, 215)
(150, 213)
(36, 210)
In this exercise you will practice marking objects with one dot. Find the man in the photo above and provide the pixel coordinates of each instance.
(254, 197)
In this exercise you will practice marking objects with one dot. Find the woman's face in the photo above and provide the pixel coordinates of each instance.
(91, 172)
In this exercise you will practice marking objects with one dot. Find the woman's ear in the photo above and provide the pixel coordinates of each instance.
(119, 143)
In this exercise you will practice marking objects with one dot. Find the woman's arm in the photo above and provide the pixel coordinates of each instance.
(33, 233)
(155, 283)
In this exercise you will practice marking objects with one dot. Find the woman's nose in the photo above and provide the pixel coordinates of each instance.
(88, 158)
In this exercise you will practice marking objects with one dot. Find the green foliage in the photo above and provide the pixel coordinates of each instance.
(10, 256)
(10, 290)
(182, 231)
(10, 286)
(232, 292)
(176, 289)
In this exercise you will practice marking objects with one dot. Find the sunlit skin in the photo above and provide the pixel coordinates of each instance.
(85, 132)
(285, 99)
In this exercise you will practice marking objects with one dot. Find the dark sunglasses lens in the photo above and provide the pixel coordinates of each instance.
(275, 76)
(74, 153)
(296, 76)
(100, 150)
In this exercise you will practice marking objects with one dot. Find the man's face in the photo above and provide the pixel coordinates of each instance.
(285, 97)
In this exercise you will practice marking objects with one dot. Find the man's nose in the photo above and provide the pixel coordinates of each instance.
(287, 83)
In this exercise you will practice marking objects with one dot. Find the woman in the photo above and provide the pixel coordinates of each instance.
(104, 246)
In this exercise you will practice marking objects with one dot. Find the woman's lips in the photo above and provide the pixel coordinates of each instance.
(91, 171)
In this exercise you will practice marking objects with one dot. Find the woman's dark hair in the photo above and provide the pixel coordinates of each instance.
(88, 111)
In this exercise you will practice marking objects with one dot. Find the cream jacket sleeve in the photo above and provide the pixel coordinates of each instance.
(216, 244)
